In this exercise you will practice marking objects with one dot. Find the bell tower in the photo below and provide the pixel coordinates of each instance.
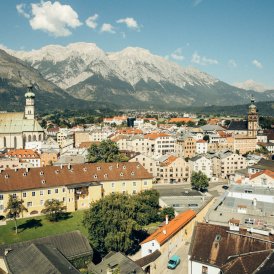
(252, 120)
(29, 107)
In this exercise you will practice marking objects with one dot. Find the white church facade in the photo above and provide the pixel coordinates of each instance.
(17, 128)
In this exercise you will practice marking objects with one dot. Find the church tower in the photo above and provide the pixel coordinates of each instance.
(253, 120)
(29, 107)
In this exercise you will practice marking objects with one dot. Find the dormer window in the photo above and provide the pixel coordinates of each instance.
(25, 174)
(95, 176)
(105, 175)
(56, 171)
(110, 167)
(124, 167)
(6, 176)
(43, 182)
(132, 173)
(121, 174)
(85, 169)
(41, 173)
(218, 238)
(138, 166)
(98, 168)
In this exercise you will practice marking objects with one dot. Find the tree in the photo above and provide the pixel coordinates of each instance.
(199, 180)
(54, 209)
(14, 208)
(190, 124)
(115, 222)
(169, 211)
(107, 151)
(206, 138)
(202, 122)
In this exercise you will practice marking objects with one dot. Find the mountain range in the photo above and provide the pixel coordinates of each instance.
(83, 75)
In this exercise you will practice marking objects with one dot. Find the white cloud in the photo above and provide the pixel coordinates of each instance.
(177, 55)
(130, 22)
(54, 18)
(91, 21)
(21, 10)
(257, 64)
(202, 60)
(107, 28)
(232, 63)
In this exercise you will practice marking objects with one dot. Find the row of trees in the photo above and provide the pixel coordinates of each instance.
(116, 221)
(54, 209)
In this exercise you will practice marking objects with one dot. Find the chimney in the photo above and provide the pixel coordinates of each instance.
(166, 219)
(164, 231)
(69, 166)
(61, 166)
(27, 169)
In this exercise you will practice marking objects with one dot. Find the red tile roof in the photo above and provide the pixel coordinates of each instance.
(163, 234)
(169, 160)
(155, 135)
(266, 172)
(180, 120)
(53, 176)
(23, 153)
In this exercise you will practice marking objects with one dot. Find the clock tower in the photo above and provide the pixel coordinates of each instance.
(252, 120)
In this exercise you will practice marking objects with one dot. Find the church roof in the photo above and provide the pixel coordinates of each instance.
(14, 122)
(238, 125)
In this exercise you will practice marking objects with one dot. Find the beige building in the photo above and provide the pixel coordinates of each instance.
(244, 144)
(186, 147)
(17, 128)
(77, 186)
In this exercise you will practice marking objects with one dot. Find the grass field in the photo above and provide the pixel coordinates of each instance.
(36, 227)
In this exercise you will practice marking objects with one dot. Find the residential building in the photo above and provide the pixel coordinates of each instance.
(25, 155)
(169, 236)
(77, 186)
(185, 146)
(201, 147)
(203, 164)
(229, 252)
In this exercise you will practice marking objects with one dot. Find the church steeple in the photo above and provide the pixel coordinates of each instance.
(29, 107)
(253, 119)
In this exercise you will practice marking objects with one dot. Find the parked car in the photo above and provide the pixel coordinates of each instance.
(173, 262)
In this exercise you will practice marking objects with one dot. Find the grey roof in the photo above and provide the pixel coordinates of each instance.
(212, 128)
(268, 265)
(37, 258)
(175, 190)
(149, 258)
(71, 244)
(114, 260)
(14, 122)
(264, 164)
(238, 125)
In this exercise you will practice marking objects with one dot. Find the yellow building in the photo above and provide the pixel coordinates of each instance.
(77, 186)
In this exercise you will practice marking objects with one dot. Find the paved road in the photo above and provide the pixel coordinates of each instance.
(182, 268)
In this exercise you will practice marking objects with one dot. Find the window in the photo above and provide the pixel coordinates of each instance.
(56, 190)
(1, 197)
(41, 202)
(29, 204)
(14, 195)
(145, 183)
(134, 191)
(64, 189)
(123, 184)
(112, 184)
(24, 194)
(49, 191)
(134, 183)
(204, 270)
(41, 192)
(33, 193)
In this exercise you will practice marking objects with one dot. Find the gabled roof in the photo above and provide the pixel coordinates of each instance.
(115, 260)
(264, 164)
(71, 244)
(23, 153)
(38, 258)
(238, 125)
(164, 233)
(222, 246)
(149, 258)
(155, 135)
(266, 172)
(53, 176)
(169, 160)
(180, 120)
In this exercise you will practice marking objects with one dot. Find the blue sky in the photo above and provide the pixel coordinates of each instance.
(232, 40)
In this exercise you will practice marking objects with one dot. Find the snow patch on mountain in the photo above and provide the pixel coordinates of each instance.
(251, 85)
(68, 65)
